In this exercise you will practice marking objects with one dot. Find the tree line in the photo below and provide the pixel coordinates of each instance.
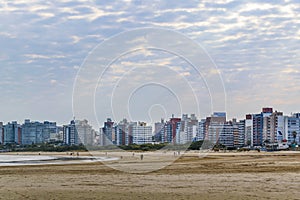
(58, 147)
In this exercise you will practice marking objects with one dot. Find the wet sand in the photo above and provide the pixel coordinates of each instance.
(249, 175)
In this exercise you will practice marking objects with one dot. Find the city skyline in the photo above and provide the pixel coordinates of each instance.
(255, 46)
(257, 129)
(152, 124)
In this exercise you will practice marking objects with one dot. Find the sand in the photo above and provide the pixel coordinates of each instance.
(250, 175)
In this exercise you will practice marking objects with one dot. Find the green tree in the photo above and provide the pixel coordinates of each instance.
(195, 145)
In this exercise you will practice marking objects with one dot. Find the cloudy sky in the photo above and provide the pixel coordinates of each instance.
(255, 46)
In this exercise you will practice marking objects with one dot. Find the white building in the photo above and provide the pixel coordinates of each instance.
(187, 130)
(85, 132)
(291, 124)
(142, 134)
(180, 137)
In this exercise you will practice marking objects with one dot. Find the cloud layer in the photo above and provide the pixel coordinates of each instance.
(255, 46)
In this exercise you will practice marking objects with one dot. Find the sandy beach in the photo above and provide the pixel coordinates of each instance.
(249, 175)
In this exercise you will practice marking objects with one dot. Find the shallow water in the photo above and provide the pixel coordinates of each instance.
(17, 160)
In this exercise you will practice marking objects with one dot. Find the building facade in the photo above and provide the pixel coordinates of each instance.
(86, 134)
(291, 125)
(159, 130)
(12, 133)
(201, 130)
(1, 132)
(32, 132)
(108, 133)
(221, 133)
(142, 134)
(121, 131)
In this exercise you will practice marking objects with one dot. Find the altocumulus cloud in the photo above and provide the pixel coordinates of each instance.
(254, 44)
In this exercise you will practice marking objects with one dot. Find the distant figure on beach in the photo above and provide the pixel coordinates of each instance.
(142, 157)
(132, 154)
(77, 153)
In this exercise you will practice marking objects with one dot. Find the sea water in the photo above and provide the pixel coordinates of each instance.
(18, 160)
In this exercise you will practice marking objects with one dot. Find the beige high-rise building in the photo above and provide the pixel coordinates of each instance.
(271, 126)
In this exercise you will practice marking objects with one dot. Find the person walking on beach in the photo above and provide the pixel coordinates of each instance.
(142, 157)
